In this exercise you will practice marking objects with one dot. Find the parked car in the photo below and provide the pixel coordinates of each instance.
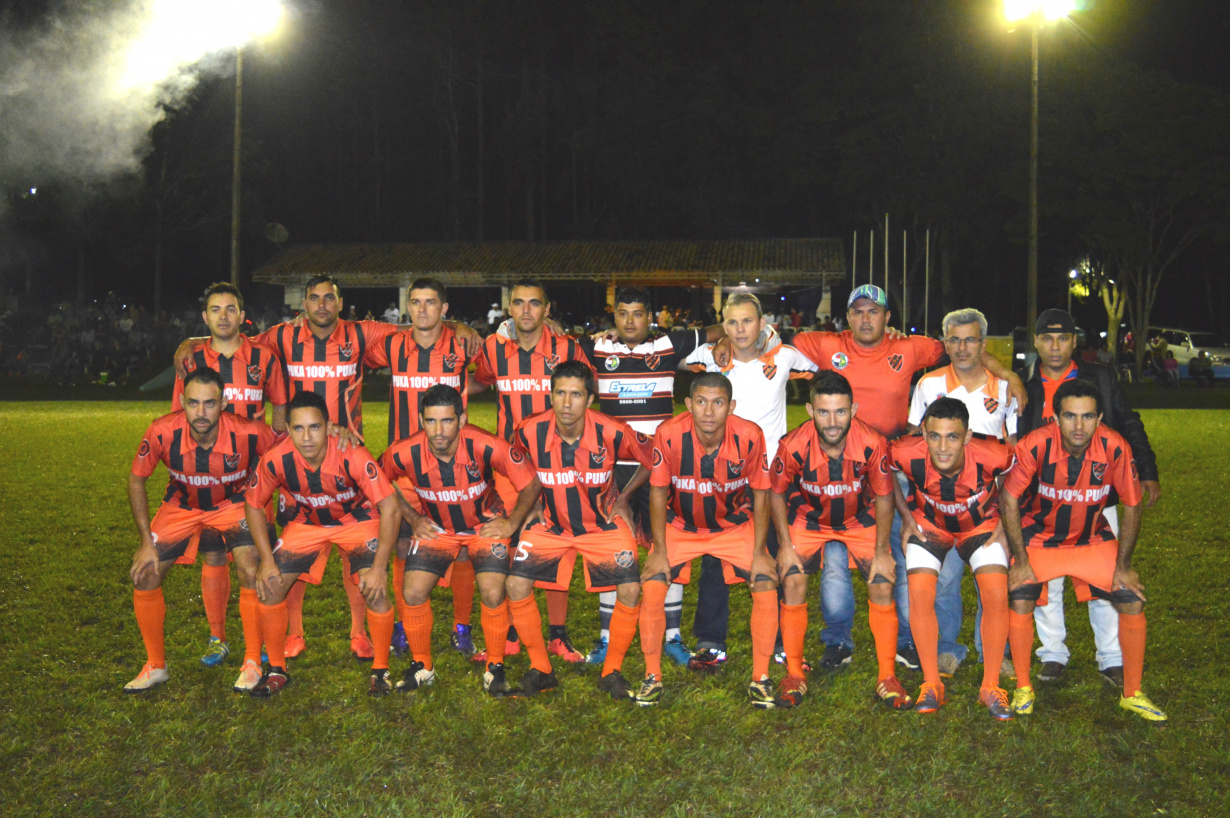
(1188, 343)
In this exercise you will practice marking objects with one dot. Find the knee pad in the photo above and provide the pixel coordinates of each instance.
(916, 556)
(993, 553)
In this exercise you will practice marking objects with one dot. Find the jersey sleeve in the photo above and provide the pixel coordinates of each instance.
(800, 365)
(275, 384)
(177, 392)
(269, 338)
(266, 438)
(784, 469)
(927, 351)
(1010, 416)
(896, 453)
(659, 464)
(634, 446)
(701, 359)
(879, 469)
(685, 341)
(149, 453)
(576, 353)
(372, 481)
(374, 333)
(513, 462)
(1022, 472)
(377, 353)
(262, 484)
(1126, 478)
(814, 345)
(758, 465)
(918, 405)
(484, 371)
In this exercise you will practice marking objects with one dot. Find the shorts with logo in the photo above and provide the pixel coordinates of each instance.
(609, 557)
(304, 549)
(179, 533)
(1092, 564)
(809, 545)
(733, 547)
(938, 544)
(436, 556)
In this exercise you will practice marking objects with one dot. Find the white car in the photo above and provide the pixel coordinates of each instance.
(1188, 343)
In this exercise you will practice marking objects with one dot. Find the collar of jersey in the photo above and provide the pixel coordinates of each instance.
(1070, 372)
(766, 359)
(589, 438)
(222, 445)
(953, 383)
(244, 343)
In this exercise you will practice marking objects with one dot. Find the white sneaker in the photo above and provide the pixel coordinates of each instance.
(147, 678)
(249, 676)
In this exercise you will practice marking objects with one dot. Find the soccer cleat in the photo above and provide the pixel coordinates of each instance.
(791, 691)
(415, 677)
(930, 698)
(149, 677)
(760, 693)
(1051, 671)
(274, 679)
(295, 645)
(564, 650)
(362, 648)
(649, 693)
(598, 655)
(249, 677)
(907, 657)
(835, 658)
(709, 660)
(494, 683)
(1141, 706)
(513, 646)
(215, 652)
(463, 642)
(399, 644)
(948, 663)
(379, 684)
(1023, 701)
(1113, 676)
(674, 649)
(535, 681)
(616, 686)
(890, 692)
(996, 700)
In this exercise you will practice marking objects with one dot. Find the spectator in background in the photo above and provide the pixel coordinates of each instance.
(1105, 357)
(1170, 370)
(1200, 369)
(392, 315)
(494, 316)
(665, 319)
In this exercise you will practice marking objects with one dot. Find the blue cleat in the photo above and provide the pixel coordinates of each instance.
(400, 646)
(215, 652)
(677, 651)
(598, 655)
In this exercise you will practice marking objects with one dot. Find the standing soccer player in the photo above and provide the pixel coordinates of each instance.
(952, 505)
(831, 484)
(250, 376)
(575, 451)
(341, 498)
(709, 495)
(208, 453)
(451, 468)
(1053, 502)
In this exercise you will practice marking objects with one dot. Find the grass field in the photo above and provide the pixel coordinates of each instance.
(72, 744)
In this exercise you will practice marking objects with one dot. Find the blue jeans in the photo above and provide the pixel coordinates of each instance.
(949, 607)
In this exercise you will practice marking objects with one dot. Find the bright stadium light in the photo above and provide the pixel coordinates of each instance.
(1016, 10)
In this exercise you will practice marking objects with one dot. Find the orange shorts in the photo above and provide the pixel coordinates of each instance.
(549, 559)
(1093, 564)
(733, 547)
(437, 556)
(180, 532)
(304, 549)
(809, 545)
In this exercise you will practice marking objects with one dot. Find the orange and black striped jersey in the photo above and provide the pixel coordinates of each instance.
(832, 494)
(522, 377)
(414, 371)
(577, 487)
(709, 492)
(345, 489)
(957, 505)
(1062, 497)
(459, 496)
(331, 367)
(251, 376)
(203, 479)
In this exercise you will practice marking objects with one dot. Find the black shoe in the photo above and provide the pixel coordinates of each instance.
(379, 684)
(616, 686)
(535, 682)
(1052, 671)
(273, 680)
(835, 658)
(1113, 676)
(416, 676)
(494, 683)
(708, 660)
(908, 657)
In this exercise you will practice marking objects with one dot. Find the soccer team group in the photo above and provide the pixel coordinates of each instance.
(1016, 476)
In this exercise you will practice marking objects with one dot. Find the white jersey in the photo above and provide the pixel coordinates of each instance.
(991, 411)
(760, 386)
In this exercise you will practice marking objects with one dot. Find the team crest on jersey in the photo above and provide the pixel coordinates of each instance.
(254, 478)
(612, 363)
(1135, 476)
(515, 455)
(769, 371)
(254, 374)
(551, 363)
(373, 544)
(450, 361)
(372, 473)
(345, 351)
(144, 450)
(652, 360)
(779, 465)
(641, 438)
(472, 471)
(596, 459)
(657, 456)
(625, 559)
(895, 361)
(230, 462)
(991, 404)
(839, 360)
(734, 470)
(1098, 470)
(341, 483)
(499, 550)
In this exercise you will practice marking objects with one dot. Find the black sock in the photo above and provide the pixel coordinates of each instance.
(556, 632)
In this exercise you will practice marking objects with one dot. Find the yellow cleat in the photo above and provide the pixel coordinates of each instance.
(1023, 701)
(1141, 706)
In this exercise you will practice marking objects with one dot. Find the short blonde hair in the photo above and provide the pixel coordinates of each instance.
(737, 299)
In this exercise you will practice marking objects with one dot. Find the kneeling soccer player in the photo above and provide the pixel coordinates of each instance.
(709, 486)
(208, 453)
(831, 484)
(341, 498)
(451, 466)
(575, 451)
(953, 491)
(1065, 475)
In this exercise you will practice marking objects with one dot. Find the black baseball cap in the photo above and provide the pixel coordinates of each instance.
(1054, 320)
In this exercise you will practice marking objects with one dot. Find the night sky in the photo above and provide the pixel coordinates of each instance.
(600, 120)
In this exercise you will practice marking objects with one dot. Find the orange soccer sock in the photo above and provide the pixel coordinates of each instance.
(1021, 640)
(528, 622)
(993, 588)
(399, 583)
(294, 607)
(417, 623)
(358, 605)
(495, 626)
(557, 608)
(653, 625)
(382, 637)
(794, 632)
(764, 631)
(273, 631)
(216, 593)
(250, 618)
(151, 609)
(923, 624)
(622, 632)
(1132, 643)
(883, 622)
(462, 583)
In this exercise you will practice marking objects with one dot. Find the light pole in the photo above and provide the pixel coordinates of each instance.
(236, 166)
